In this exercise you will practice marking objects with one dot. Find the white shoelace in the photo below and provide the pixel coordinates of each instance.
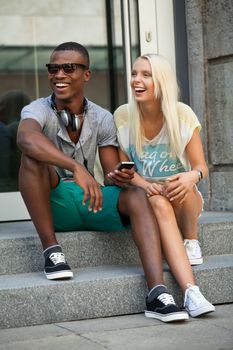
(57, 258)
(166, 299)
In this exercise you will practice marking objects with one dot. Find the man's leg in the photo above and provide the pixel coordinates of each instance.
(134, 203)
(35, 181)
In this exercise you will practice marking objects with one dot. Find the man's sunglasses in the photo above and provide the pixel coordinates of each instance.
(66, 67)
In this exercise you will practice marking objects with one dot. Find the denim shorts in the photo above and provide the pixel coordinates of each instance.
(69, 214)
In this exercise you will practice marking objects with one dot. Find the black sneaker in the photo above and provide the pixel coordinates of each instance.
(161, 305)
(56, 266)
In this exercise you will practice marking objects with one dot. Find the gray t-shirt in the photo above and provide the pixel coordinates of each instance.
(98, 130)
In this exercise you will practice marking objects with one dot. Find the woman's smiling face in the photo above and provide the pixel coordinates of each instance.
(141, 82)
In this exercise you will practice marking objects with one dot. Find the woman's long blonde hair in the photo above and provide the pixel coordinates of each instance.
(165, 88)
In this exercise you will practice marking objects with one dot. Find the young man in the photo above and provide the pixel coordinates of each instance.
(58, 137)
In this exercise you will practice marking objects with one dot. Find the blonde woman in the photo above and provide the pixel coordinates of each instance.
(161, 136)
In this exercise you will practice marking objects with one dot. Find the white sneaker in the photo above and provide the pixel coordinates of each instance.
(193, 251)
(195, 303)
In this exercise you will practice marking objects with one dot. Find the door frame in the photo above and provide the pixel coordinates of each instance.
(156, 28)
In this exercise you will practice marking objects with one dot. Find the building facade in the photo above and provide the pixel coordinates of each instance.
(210, 58)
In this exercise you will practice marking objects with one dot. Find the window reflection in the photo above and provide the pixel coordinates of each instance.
(11, 104)
(27, 38)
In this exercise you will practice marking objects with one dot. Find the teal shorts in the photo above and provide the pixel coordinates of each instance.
(69, 214)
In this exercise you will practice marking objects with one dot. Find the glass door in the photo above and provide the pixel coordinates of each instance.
(27, 36)
(115, 32)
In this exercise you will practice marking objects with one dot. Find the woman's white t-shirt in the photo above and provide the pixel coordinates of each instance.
(156, 162)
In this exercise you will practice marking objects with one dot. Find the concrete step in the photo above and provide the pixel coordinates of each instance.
(21, 250)
(215, 233)
(30, 299)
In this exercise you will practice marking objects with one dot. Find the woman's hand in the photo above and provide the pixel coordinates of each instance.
(178, 187)
(121, 177)
(153, 189)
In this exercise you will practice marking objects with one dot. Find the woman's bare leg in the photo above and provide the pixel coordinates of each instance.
(172, 243)
(187, 214)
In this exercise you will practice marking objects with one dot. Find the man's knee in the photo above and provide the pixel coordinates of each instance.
(132, 199)
(33, 167)
(134, 192)
(37, 171)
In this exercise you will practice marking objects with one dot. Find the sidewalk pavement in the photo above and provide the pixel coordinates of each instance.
(131, 332)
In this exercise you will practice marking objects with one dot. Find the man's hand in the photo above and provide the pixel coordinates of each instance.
(90, 187)
(121, 177)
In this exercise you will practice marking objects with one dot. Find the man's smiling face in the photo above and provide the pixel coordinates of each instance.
(68, 86)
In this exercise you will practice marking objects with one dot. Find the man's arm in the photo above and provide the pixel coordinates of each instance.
(33, 143)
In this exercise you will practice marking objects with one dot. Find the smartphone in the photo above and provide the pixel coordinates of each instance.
(125, 165)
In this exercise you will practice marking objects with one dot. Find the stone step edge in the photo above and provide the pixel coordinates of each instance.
(25, 229)
(29, 299)
(94, 248)
(33, 279)
(210, 262)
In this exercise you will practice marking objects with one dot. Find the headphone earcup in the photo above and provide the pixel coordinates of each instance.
(74, 122)
(69, 119)
(64, 117)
